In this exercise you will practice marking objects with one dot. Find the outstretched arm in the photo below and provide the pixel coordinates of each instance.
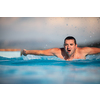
(94, 50)
(47, 52)
(91, 50)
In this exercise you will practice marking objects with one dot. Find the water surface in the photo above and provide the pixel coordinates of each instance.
(33, 69)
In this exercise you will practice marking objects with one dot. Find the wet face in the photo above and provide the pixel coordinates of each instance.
(70, 47)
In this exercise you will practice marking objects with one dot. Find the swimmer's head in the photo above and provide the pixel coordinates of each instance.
(70, 45)
(70, 38)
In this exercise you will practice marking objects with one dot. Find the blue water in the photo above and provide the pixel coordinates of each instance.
(33, 69)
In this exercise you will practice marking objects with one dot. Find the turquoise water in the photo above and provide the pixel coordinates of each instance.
(33, 69)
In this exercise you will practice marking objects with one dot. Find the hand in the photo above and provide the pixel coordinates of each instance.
(24, 52)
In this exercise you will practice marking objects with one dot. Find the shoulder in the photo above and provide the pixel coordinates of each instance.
(84, 50)
(88, 50)
(55, 50)
(50, 52)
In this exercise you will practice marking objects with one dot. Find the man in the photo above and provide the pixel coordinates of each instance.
(69, 52)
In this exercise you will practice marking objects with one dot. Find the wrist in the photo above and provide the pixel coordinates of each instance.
(27, 52)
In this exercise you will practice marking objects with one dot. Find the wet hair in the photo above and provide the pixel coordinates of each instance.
(69, 38)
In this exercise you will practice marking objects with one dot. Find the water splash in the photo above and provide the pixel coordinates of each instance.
(49, 69)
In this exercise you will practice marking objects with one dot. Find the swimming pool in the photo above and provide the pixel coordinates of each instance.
(33, 69)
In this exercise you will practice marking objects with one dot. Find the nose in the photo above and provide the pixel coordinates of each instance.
(68, 46)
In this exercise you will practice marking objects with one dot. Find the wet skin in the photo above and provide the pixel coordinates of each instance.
(69, 52)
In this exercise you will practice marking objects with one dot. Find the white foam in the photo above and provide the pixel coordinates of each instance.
(97, 56)
(29, 57)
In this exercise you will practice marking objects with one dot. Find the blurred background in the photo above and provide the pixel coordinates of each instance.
(48, 32)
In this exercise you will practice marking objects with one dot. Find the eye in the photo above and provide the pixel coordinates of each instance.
(65, 44)
(71, 44)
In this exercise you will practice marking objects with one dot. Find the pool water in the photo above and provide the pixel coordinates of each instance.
(33, 69)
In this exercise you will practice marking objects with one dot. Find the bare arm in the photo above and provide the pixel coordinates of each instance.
(47, 52)
(94, 50)
(91, 50)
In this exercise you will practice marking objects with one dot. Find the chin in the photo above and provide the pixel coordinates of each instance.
(69, 54)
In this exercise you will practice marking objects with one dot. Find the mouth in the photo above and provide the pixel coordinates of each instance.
(69, 50)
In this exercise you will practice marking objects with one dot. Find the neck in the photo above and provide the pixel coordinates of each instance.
(69, 57)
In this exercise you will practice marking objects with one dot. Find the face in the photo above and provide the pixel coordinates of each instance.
(70, 47)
